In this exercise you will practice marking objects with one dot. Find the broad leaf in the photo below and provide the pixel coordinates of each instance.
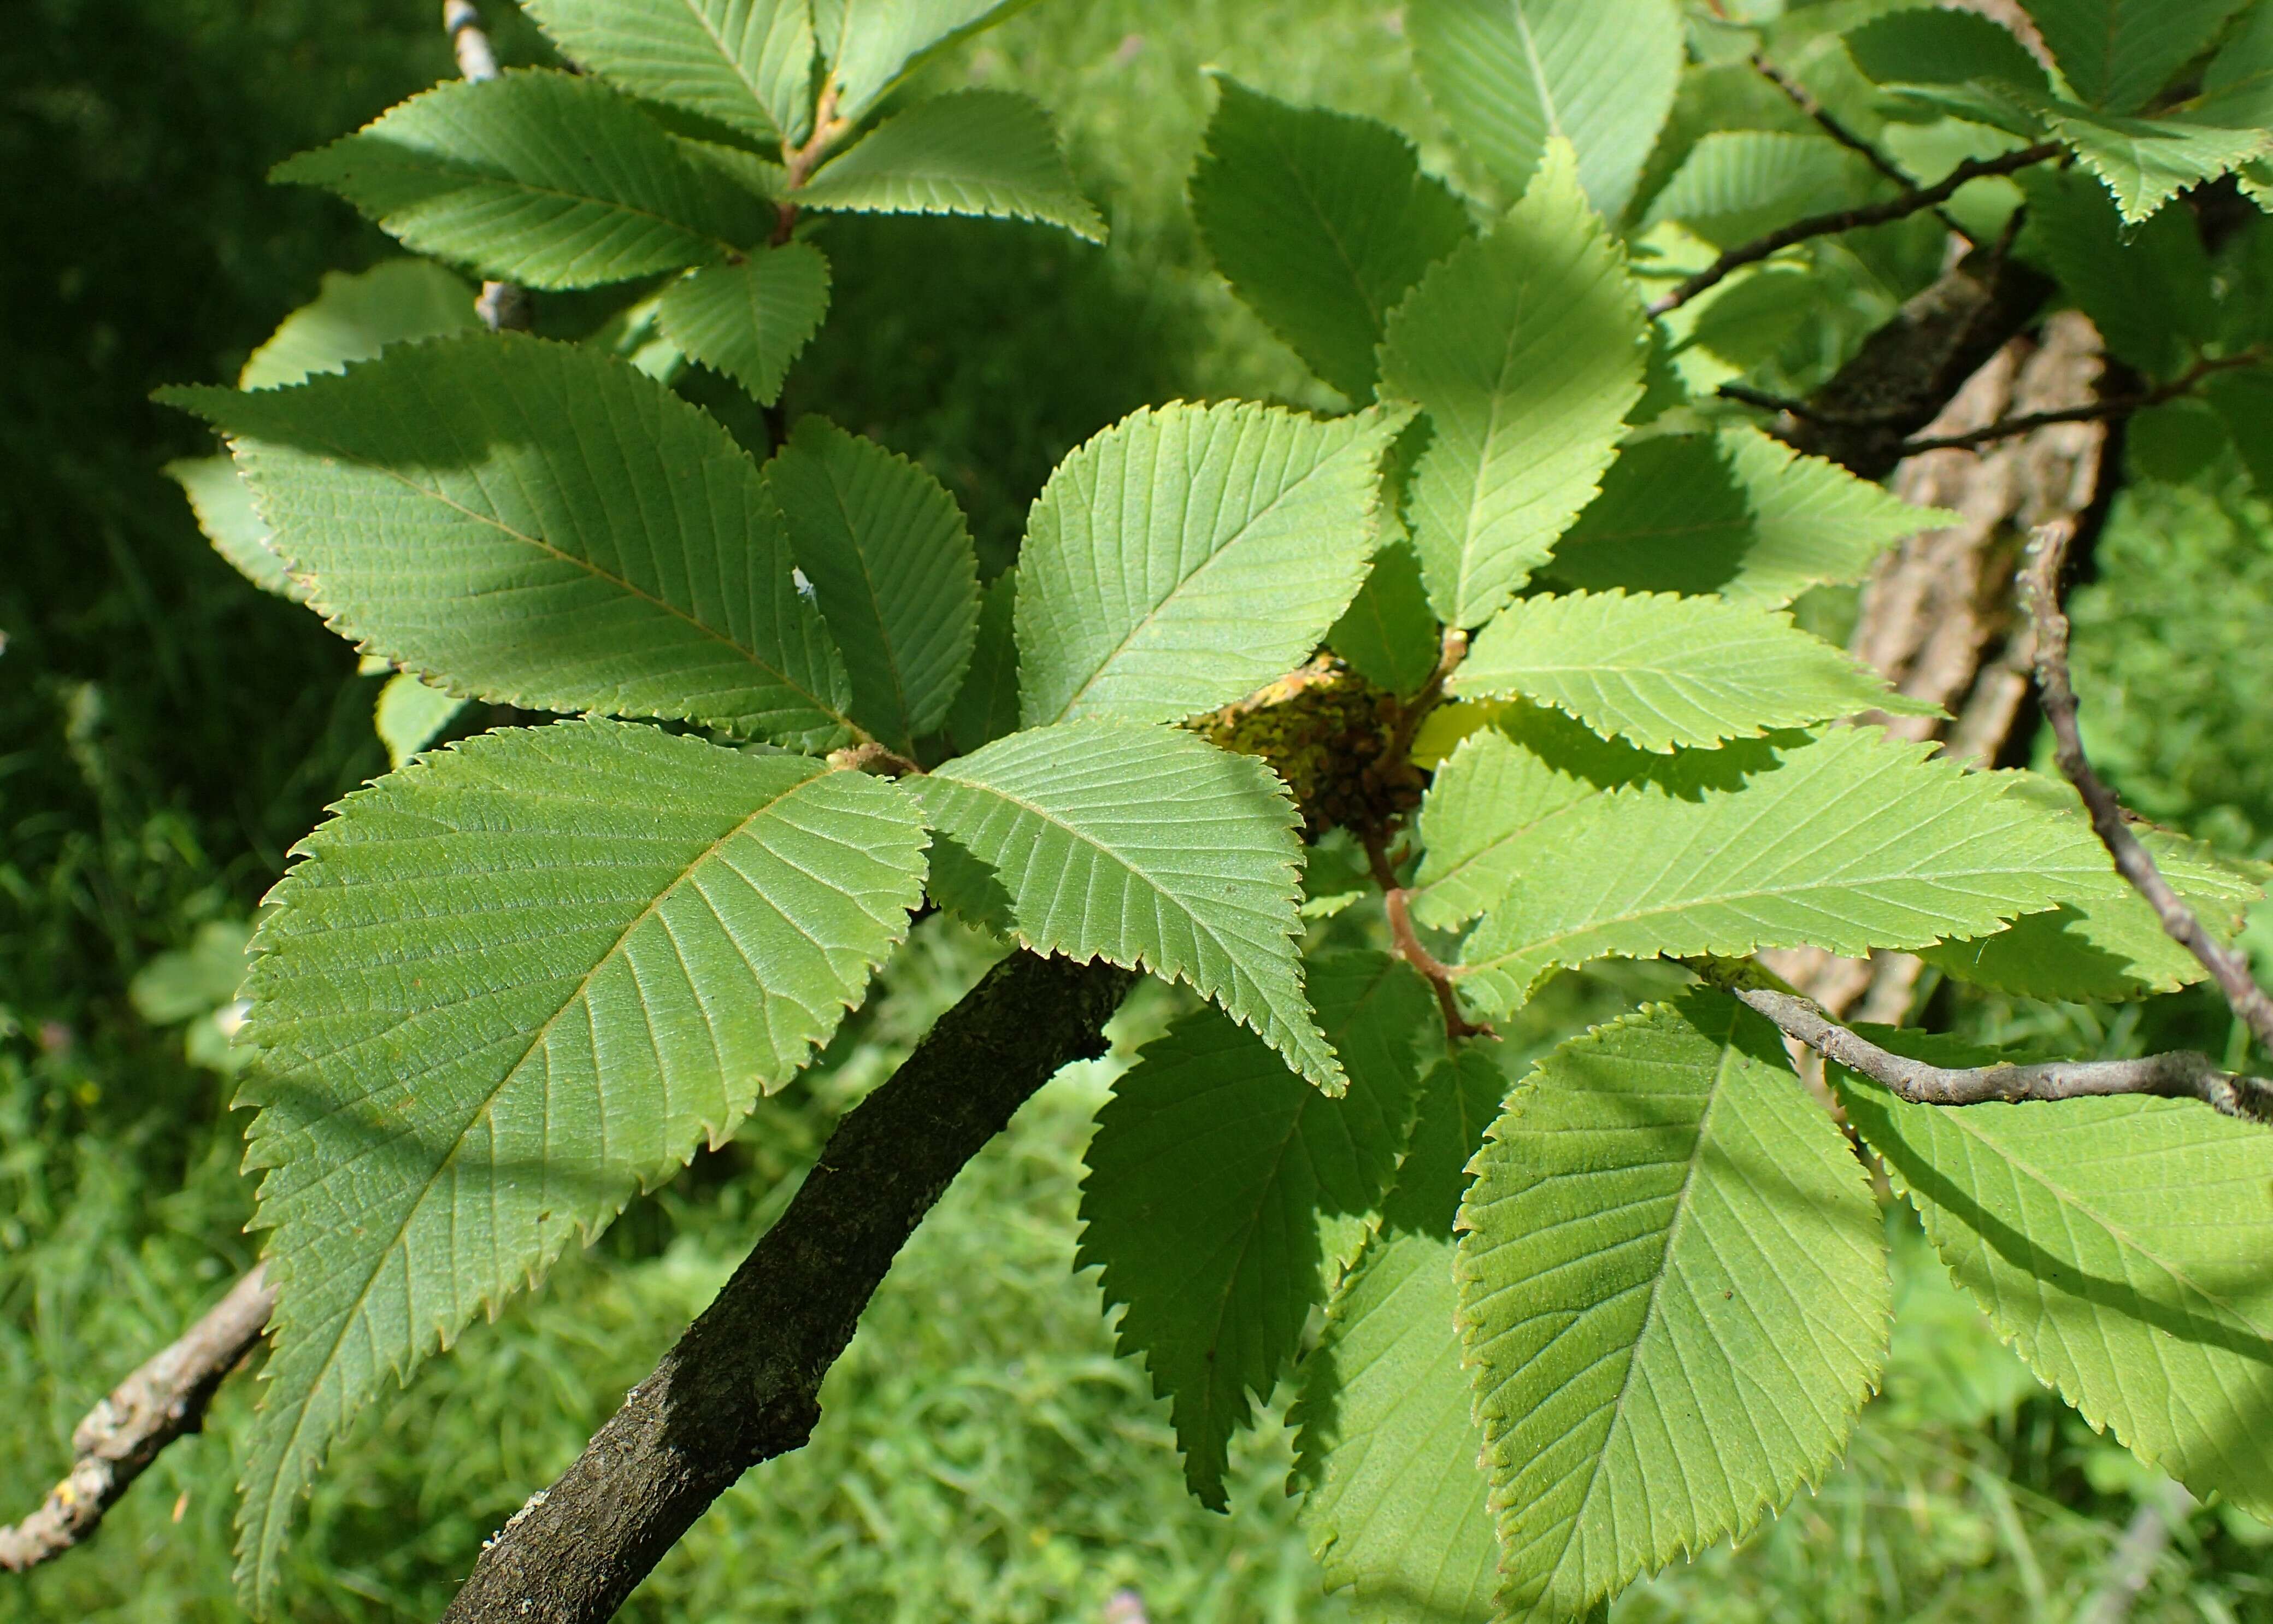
(2117, 54)
(354, 317)
(746, 64)
(1737, 184)
(2124, 1246)
(1320, 223)
(1387, 635)
(1189, 554)
(2145, 162)
(2238, 84)
(225, 513)
(893, 566)
(1224, 1193)
(2147, 290)
(539, 524)
(987, 706)
(2243, 401)
(1673, 1296)
(1735, 513)
(536, 177)
(1144, 845)
(1524, 349)
(1853, 841)
(975, 151)
(1509, 75)
(502, 991)
(749, 320)
(1938, 45)
(874, 44)
(1664, 670)
(411, 714)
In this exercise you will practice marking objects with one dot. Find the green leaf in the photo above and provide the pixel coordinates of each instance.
(1526, 350)
(975, 151)
(893, 565)
(1735, 513)
(874, 44)
(2145, 162)
(1224, 1191)
(2117, 54)
(411, 714)
(1146, 847)
(2243, 401)
(506, 988)
(1853, 841)
(1664, 670)
(749, 320)
(537, 177)
(1189, 554)
(1387, 635)
(2238, 84)
(226, 515)
(2122, 1245)
(1321, 222)
(2148, 290)
(541, 525)
(744, 63)
(1940, 45)
(1673, 1296)
(1737, 184)
(1510, 75)
(987, 706)
(354, 318)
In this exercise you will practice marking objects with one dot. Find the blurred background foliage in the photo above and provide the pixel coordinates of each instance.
(166, 732)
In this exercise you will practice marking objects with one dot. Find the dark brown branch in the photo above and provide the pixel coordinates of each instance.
(740, 1387)
(2110, 406)
(120, 1437)
(1801, 97)
(2040, 587)
(1851, 220)
(1804, 409)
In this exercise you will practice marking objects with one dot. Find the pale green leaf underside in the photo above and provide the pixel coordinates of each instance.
(2145, 162)
(975, 152)
(746, 64)
(1144, 845)
(892, 564)
(1853, 841)
(2125, 1246)
(506, 988)
(1736, 185)
(1220, 1185)
(749, 320)
(2116, 53)
(1189, 554)
(1673, 1298)
(411, 714)
(355, 316)
(542, 525)
(1525, 350)
(225, 513)
(1664, 670)
(537, 177)
(872, 44)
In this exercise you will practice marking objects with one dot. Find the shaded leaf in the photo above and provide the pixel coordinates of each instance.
(2148, 290)
(411, 714)
(987, 706)
(2117, 54)
(1387, 635)
(223, 505)
(354, 317)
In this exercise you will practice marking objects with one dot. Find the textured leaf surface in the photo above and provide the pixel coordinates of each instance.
(539, 524)
(2145, 162)
(1934, 45)
(746, 64)
(893, 566)
(354, 317)
(1853, 841)
(1673, 1298)
(2116, 53)
(872, 44)
(1735, 513)
(411, 715)
(2147, 290)
(1524, 349)
(2125, 1246)
(537, 177)
(1388, 635)
(1320, 223)
(1146, 847)
(985, 707)
(975, 151)
(1188, 555)
(504, 990)
(1509, 75)
(1224, 1193)
(1736, 185)
(1664, 670)
(749, 320)
(225, 513)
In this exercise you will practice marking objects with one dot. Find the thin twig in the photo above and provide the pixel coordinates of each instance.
(1397, 900)
(1453, 650)
(1768, 402)
(2040, 590)
(1851, 219)
(799, 161)
(2181, 1074)
(1801, 97)
(503, 306)
(2113, 406)
(162, 1399)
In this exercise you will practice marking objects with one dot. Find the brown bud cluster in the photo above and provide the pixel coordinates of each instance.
(1326, 732)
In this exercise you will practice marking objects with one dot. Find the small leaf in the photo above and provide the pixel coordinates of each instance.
(411, 714)
(1189, 554)
(1225, 1192)
(1933, 45)
(2145, 162)
(2117, 54)
(975, 152)
(875, 44)
(1673, 1296)
(987, 706)
(1320, 223)
(1388, 635)
(749, 320)
(537, 177)
(1526, 350)
(1665, 671)
(1736, 185)
(1146, 847)
(746, 64)
(354, 318)
(225, 513)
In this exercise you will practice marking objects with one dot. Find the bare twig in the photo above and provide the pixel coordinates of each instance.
(1801, 97)
(2179, 1075)
(1850, 220)
(1416, 710)
(162, 1401)
(1807, 411)
(2040, 584)
(503, 306)
(2110, 406)
(799, 163)
(1397, 900)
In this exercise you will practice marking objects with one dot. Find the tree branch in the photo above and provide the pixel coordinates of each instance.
(1910, 203)
(2040, 587)
(1801, 97)
(740, 1387)
(163, 1398)
(2111, 406)
(503, 306)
